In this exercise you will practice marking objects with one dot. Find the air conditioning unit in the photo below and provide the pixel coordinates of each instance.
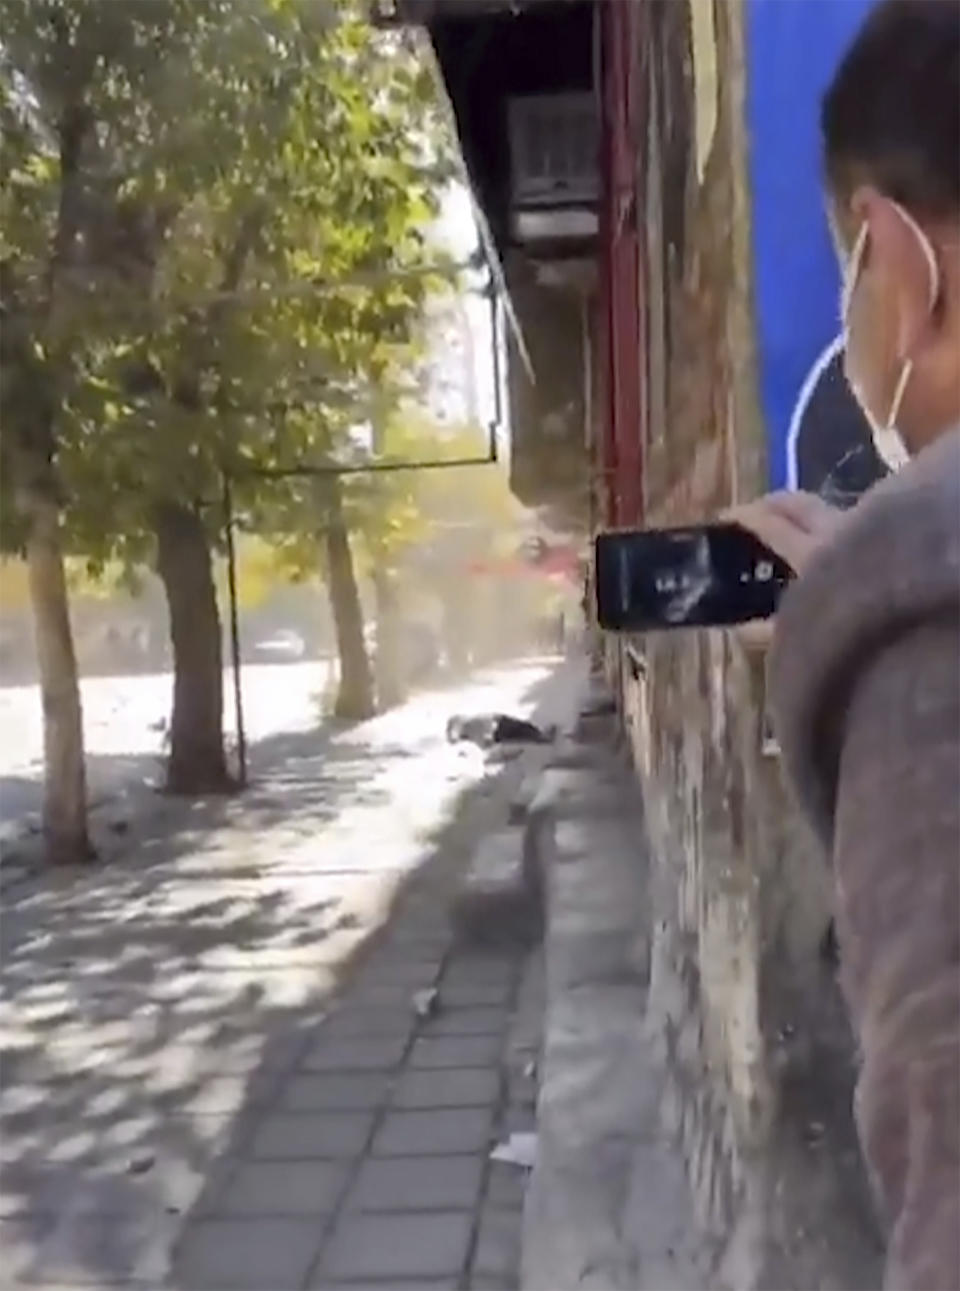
(554, 172)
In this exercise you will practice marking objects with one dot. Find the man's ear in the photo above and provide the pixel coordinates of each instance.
(906, 255)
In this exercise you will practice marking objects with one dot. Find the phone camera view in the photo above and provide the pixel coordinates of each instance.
(709, 576)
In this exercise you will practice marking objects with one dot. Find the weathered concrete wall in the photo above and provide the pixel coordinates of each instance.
(741, 1003)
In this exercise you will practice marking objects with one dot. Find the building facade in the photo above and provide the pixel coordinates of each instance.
(648, 174)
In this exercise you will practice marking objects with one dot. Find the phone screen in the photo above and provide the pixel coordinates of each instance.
(704, 576)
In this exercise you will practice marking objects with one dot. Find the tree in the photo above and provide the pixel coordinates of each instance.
(234, 154)
(356, 697)
(415, 533)
(429, 528)
(40, 199)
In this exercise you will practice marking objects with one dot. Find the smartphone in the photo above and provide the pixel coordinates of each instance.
(704, 576)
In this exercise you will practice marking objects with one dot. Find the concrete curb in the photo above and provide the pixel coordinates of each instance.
(607, 1206)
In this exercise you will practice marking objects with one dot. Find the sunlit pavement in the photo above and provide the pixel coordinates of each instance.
(165, 1046)
(124, 720)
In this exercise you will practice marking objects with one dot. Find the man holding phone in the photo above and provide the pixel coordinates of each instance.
(865, 664)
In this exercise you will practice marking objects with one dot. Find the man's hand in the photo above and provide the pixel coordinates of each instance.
(794, 525)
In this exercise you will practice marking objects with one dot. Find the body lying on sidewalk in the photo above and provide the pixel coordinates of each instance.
(497, 728)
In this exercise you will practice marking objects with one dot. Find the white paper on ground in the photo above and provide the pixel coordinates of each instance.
(519, 1149)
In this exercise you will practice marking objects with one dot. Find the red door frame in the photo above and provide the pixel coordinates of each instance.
(622, 332)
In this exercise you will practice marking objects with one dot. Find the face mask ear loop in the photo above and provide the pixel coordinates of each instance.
(933, 273)
(853, 273)
(898, 394)
(933, 269)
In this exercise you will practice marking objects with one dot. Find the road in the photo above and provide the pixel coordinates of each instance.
(124, 718)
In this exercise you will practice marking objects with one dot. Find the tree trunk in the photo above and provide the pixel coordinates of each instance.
(387, 660)
(197, 763)
(355, 699)
(65, 787)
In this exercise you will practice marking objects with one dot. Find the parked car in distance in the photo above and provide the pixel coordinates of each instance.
(285, 646)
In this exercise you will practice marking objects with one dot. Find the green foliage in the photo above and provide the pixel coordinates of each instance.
(425, 524)
(208, 212)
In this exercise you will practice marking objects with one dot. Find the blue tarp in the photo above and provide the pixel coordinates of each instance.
(793, 49)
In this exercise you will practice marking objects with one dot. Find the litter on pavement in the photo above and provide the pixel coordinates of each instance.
(519, 1149)
(426, 1003)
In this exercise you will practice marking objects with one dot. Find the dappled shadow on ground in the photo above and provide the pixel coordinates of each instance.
(117, 784)
(151, 1006)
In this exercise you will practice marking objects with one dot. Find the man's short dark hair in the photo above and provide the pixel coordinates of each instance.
(891, 118)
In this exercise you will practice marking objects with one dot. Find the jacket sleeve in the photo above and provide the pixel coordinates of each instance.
(896, 849)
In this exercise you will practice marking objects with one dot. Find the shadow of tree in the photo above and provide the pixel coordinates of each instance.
(152, 1008)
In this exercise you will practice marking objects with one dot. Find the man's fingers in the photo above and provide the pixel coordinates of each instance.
(806, 510)
(781, 534)
(756, 637)
(793, 525)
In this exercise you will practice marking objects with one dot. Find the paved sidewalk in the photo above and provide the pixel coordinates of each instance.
(212, 1078)
(360, 1151)
(370, 1160)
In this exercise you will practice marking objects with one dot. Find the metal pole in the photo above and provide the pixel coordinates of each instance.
(497, 422)
(306, 472)
(234, 628)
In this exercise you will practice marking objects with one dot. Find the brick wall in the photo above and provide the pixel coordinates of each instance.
(741, 1002)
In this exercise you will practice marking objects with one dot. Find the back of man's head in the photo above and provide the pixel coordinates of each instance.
(891, 117)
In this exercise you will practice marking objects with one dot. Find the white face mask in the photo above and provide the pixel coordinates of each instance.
(886, 438)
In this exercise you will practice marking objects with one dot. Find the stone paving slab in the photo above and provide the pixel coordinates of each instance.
(365, 1053)
(437, 1131)
(287, 1188)
(337, 1092)
(391, 1285)
(391, 995)
(398, 970)
(449, 1087)
(246, 1254)
(477, 994)
(285, 1136)
(489, 970)
(398, 1246)
(467, 1021)
(418, 1183)
(456, 1051)
(370, 1022)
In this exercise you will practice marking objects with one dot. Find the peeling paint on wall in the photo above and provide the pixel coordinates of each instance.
(704, 39)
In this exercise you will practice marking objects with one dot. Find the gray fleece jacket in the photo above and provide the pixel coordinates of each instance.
(865, 680)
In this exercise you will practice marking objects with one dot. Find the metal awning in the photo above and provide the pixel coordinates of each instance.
(520, 79)
(423, 12)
